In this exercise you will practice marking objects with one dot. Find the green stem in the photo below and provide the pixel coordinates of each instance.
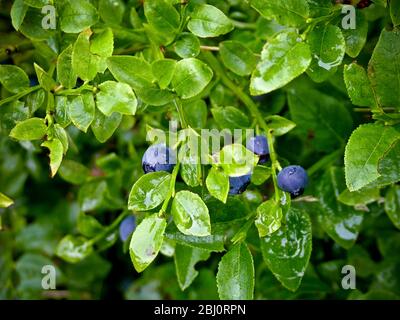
(109, 229)
(178, 105)
(209, 48)
(19, 95)
(76, 91)
(171, 192)
(253, 109)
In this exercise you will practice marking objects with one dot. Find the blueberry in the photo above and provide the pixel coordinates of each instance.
(158, 157)
(238, 185)
(259, 145)
(293, 179)
(33, 81)
(126, 227)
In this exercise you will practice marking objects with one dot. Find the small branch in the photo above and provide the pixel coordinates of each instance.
(209, 48)
(181, 114)
(109, 229)
(19, 95)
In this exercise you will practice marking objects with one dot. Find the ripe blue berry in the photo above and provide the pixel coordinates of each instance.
(158, 157)
(293, 179)
(259, 146)
(126, 227)
(238, 185)
(33, 81)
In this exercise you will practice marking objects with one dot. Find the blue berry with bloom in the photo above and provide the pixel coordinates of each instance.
(293, 179)
(126, 227)
(158, 157)
(238, 185)
(259, 146)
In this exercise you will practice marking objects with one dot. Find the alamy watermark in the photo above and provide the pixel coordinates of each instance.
(349, 280)
(49, 278)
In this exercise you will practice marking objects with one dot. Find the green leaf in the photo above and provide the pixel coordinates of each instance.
(5, 201)
(283, 59)
(18, 12)
(389, 167)
(213, 242)
(208, 21)
(103, 127)
(230, 118)
(37, 3)
(187, 45)
(269, 217)
(289, 12)
(102, 43)
(341, 222)
(162, 16)
(236, 160)
(358, 85)
(191, 214)
(260, 175)
(356, 38)
(65, 73)
(395, 11)
(60, 134)
(32, 27)
(328, 47)
(320, 8)
(84, 63)
(237, 57)
(146, 241)
(149, 191)
(45, 80)
(317, 113)
(116, 97)
(112, 11)
(31, 129)
(287, 251)
(92, 195)
(81, 111)
(138, 74)
(155, 96)
(131, 70)
(384, 70)
(361, 197)
(73, 172)
(191, 76)
(163, 71)
(235, 277)
(73, 249)
(89, 226)
(195, 113)
(279, 125)
(61, 115)
(366, 146)
(56, 154)
(189, 158)
(392, 205)
(77, 16)
(35, 100)
(185, 260)
(13, 78)
(217, 183)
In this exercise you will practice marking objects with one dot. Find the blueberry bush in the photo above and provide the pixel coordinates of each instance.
(99, 103)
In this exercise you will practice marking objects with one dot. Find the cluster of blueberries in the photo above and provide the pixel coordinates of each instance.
(292, 179)
(159, 157)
